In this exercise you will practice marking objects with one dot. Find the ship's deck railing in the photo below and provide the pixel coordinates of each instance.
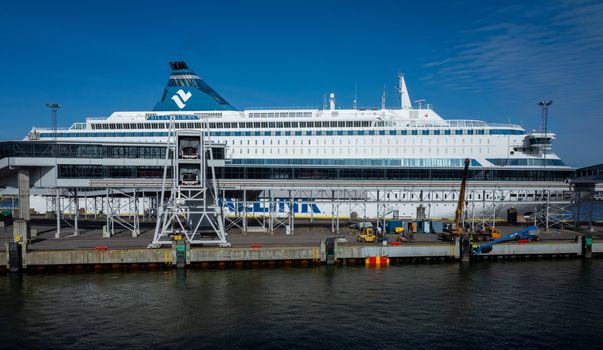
(50, 129)
(282, 109)
(74, 126)
(78, 126)
(388, 123)
(505, 125)
(459, 123)
(445, 124)
(479, 123)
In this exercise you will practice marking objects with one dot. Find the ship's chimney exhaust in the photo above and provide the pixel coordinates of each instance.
(403, 91)
(332, 101)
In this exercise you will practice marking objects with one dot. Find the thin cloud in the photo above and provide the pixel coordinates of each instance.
(438, 63)
(546, 51)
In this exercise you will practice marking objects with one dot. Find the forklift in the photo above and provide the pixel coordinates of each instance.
(367, 235)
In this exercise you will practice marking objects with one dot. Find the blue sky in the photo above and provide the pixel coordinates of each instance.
(489, 60)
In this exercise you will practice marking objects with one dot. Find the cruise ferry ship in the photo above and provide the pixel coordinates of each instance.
(396, 145)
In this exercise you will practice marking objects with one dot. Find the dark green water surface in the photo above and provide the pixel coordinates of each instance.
(534, 304)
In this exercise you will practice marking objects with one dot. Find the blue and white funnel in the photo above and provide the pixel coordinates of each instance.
(185, 91)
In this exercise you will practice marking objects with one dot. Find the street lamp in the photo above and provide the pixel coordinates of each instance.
(544, 105)
(54, 107)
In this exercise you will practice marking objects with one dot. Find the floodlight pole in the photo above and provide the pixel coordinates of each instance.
(54, 107)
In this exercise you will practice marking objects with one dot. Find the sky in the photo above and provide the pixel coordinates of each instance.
(487, 60)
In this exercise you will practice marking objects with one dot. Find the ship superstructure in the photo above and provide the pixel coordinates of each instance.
(403, 144)
(391, 138)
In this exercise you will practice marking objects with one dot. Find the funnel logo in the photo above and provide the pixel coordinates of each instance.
(180, 97)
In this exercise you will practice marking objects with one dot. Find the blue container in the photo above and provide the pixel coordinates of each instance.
(437, 226)
(390, 226)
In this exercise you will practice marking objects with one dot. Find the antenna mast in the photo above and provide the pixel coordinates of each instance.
(355, 92)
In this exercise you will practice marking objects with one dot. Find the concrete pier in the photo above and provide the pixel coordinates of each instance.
(314, 254)
(311, 245)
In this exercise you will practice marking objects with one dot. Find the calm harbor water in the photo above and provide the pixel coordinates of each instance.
(535, 304)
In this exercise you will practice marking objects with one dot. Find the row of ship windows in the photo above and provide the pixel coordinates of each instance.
(326, 173)
(355, 141)
(526, 162)
(195, 116)
(280, 115)
(233, 125)
(299, 133)
(279, 125)
(351, 151)
(406, 162)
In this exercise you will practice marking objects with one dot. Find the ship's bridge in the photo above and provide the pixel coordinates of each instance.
(538, 141)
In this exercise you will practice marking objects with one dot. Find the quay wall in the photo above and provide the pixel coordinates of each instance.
(256, 254)
(93, 257)
(315, 254)
(406, 251)
(537, 248)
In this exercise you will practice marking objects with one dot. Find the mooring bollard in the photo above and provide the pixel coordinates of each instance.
(587, 246)
(179, 247)
(14, 256)
(330, 249)
(465, 249)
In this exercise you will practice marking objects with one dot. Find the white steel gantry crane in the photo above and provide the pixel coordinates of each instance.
(191, 211)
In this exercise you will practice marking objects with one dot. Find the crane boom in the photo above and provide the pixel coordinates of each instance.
(461, 202)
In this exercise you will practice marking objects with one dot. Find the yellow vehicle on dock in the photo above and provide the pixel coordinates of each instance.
(367, 235)
(494, 232)
(486, 235)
